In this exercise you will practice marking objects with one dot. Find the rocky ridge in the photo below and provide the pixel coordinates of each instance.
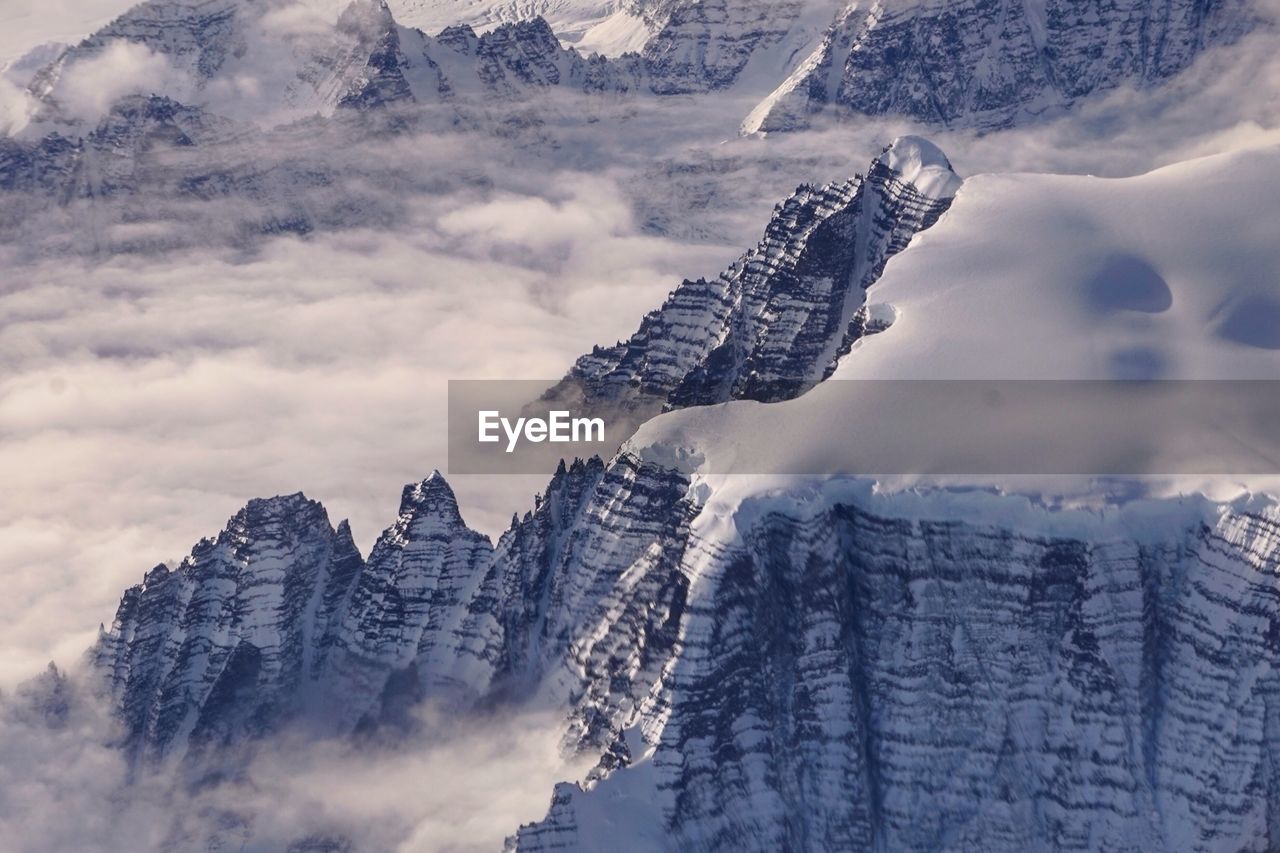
(987, 64)
(774, 324)
(789, 669)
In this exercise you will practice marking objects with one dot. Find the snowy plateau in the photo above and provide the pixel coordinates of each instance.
(245, 245)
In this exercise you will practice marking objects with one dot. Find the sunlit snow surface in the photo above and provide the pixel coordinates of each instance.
(1168, 275)
(608, 27)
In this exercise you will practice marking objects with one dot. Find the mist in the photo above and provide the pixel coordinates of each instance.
(169, 359)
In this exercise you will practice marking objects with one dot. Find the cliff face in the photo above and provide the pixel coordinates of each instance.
(773, 325)
(799, 669)
(988, 64)
(216, 650)
(705, 46)
(279, 621)
(808, 664)
(850, 676)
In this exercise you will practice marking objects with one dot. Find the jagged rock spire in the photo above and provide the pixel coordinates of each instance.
(774, 324)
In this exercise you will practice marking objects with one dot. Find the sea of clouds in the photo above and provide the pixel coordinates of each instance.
(160, 368)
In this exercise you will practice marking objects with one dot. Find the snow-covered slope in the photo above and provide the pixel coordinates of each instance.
(607, 27)
(1092, 278)
(1160, 276)
(988, 64)
(709, 45)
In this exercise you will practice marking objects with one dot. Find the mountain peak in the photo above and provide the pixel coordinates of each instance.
(844, 232)
(295, 510)
(918, 161)
(432, 496)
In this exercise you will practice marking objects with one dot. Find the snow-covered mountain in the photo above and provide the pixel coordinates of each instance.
(760, 669)
(267, 64)
(607, 27)
(940, 673)
(775, 323)
(973, 64)
(988, 64)
(781, 662)
(278, 618)
(940, 670)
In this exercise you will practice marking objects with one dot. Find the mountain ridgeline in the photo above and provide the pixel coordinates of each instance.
(775, 323)
(824, 670)
(977, 63)
(231, 121)
(810, 666)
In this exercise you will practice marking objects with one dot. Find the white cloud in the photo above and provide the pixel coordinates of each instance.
(65, 789)
(14, 106)
(149, 394)
(88, 87)
(149, 398)
(159, 372)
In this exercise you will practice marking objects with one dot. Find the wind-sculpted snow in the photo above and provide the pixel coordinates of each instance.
(988, 64)
(774, 324)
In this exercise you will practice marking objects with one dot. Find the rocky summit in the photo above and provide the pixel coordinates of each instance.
(774, 324)
(987, 64)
